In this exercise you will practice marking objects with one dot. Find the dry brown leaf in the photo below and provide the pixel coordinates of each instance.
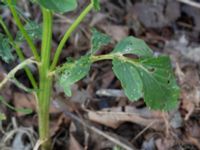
(114, 117)
(97, 18)
(193, 129)
(193, 141)
(57, 123)
(117, 32)
(165, 144)
(23, 100)
(153, 16)
(74, 144)
(107, 78)
(190, 89)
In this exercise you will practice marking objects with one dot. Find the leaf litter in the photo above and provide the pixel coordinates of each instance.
(142, 128)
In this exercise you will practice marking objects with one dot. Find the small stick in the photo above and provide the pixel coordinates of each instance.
(191, 3)
(145, 129)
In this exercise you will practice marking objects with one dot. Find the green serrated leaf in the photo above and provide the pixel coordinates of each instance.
(96, 5)
(158, 82)
(74, 72)
(132, 45)
(59, 6)
(98, 40)
(33, 29)
(160, 88)
(130, 79)
(5, 49)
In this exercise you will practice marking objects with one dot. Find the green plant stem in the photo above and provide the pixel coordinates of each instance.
(68, 34)
(19, 53)
(112, 56)
(23, 31)
(45, 81)
(104, 57)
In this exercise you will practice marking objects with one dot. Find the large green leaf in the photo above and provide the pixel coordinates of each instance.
(132, 45)
(5, 49)
(158, 83)
(160, 88)
(33, 29)
(98, 40)
(59, 6)
(73, 72)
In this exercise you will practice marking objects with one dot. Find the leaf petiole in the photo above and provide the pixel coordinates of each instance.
(68, 34)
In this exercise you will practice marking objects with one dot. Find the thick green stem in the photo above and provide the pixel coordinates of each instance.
(68, 34)
(19, 53)
(45, 81)
(23, 31)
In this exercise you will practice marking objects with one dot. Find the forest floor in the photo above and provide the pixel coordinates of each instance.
(98, 116)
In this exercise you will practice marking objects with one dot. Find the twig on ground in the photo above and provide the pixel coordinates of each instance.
(167, 124)
(139, 134)
(191, 3)
(63, 19)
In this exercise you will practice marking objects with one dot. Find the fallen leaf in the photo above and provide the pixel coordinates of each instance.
(156, 15)
(117, 32)
(23, 100)
(57, 123)
(28, 101)
(190, 89)
(114, 117)
(74, 144)
(165, 144)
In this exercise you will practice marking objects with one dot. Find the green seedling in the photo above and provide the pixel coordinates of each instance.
(146, 76)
